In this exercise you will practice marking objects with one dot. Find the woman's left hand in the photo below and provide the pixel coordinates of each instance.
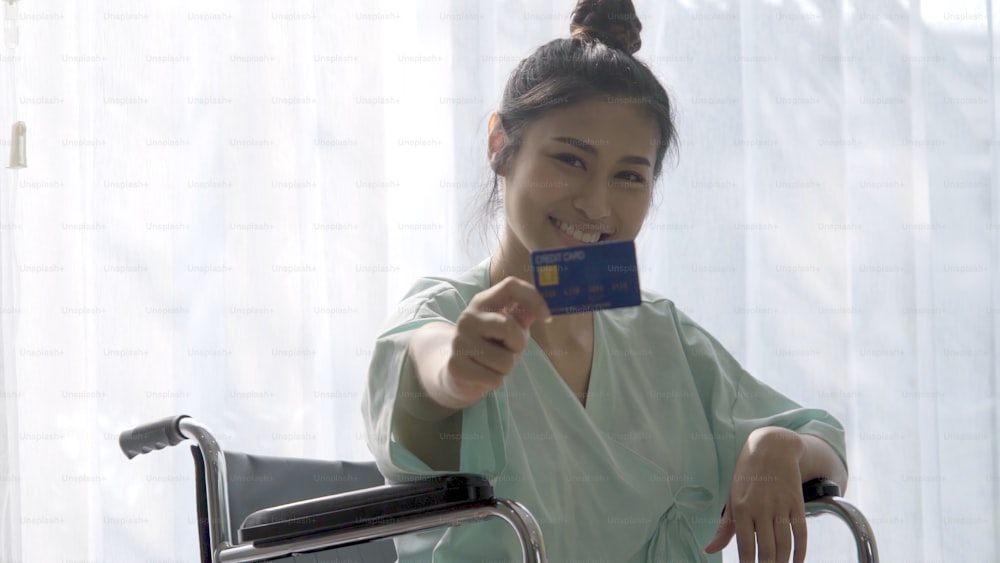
(765, 509)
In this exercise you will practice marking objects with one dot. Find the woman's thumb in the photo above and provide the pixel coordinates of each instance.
(723, 536)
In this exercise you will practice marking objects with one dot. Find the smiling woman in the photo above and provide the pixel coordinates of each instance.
(833, 222)
(624, 431)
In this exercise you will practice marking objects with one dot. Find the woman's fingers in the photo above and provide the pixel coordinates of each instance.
(476, 357)
(724, 534)
(516, 297)
(782, 539)
(473, 374)
(765, 540)
(496, 328)
(745, 541)
(801, 534)
(763, 537)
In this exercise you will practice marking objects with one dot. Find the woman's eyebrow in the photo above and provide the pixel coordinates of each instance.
(588, 148)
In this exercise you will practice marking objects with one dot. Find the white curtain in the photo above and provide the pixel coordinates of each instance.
(224, 199)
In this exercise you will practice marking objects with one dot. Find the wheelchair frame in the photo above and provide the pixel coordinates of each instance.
(821, 498)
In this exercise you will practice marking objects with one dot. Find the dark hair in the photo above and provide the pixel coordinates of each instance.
(595, 61)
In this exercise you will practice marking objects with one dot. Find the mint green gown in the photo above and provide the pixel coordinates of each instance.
(638, 475)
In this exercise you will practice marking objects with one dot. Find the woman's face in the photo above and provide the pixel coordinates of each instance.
(588, 166)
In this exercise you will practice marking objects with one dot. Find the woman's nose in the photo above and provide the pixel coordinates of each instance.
(593, 200)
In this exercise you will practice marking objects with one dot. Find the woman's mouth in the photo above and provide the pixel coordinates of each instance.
(572, 236)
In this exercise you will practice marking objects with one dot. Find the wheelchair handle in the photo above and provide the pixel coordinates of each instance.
(152, 436)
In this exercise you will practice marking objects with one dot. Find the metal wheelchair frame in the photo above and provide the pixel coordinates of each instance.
(222, 549)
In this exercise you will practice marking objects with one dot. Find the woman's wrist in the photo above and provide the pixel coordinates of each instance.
(777, 442)
(814, 456)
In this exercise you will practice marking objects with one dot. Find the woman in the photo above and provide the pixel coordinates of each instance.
(625, 431)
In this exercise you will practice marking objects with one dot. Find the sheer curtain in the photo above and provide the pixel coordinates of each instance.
(224, 199)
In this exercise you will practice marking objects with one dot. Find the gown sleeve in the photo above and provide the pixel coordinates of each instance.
(740, 403)
(482, 443)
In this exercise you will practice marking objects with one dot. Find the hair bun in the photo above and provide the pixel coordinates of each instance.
(612, 22)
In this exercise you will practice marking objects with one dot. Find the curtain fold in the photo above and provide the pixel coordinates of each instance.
(223, 201)
(10, 466)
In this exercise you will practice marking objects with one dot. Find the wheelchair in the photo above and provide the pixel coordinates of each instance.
(291, 506)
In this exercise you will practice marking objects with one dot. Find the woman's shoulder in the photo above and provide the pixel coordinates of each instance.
(461, 284)
(443, 296)
(654, 307)
(655, 302)
(661, 319)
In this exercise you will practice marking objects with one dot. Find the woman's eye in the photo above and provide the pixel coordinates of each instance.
(571, 160)
(576, 162)
(631, 181)
(633, 177)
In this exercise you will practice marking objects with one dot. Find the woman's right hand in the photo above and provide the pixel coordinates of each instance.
(490, 337)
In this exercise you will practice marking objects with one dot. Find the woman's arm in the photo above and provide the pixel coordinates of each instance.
(421, 424)
(420, 389)
(820, 460)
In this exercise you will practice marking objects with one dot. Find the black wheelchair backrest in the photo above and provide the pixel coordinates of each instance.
(256, 482)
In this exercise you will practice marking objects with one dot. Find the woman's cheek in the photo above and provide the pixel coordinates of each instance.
(637, 205)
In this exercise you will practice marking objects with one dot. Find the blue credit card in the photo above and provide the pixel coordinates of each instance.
(580, 279)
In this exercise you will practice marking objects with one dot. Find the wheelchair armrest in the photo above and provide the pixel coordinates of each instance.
(365, 507)
(819, 488)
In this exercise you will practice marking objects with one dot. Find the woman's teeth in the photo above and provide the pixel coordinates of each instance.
(573, 232)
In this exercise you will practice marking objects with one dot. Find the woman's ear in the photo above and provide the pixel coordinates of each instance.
(495, 143)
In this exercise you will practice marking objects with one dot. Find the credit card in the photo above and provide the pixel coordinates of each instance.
(580, 279)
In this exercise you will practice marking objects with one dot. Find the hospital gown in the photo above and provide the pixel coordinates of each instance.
(639, 474)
